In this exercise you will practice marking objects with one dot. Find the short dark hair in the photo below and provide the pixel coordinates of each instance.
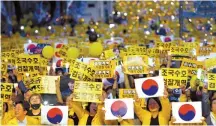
(157, 100)
(22, 104)
(93, 37)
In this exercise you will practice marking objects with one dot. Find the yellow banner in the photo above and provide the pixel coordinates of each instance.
(177, 50)
(18, 51)
(136, 50)
(136, 64)
(6, 91)
(192, 66)
(9, 57)
(155, 52)
(3, 68)
(28, 63)
(211, 81)
(43, 65)
(103, 68)
(190, 44)
(63, 51)
(164, 45)
(174, 77)
(127, 93)
(32, 80)
(210, 63)
(81, 71)
(87, 91)
(48, 84)
(204, 51)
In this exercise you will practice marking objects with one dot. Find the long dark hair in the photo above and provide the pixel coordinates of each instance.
(157, 100)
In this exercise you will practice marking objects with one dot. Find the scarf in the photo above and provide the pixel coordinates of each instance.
(213, 118)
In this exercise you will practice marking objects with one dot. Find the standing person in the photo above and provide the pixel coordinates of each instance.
(21, 118)
(157, 111)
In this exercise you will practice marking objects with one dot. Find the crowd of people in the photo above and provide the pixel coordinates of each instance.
(24, 105)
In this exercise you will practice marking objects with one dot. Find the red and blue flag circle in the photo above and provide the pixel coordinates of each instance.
(119, 108)
(150, 87)
(55, 115)
(187, 112)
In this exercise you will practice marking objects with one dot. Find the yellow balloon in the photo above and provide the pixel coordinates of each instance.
(48, 52)
(95, 49)
(73, 53)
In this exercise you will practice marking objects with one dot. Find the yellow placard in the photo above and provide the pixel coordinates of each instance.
(164, 45)
(48, 84)
(136, 50)
(179, 50)
(211, 81)
(82, 71)
(87, 91)
(3, 68)
(32, 80)
(28, 63)
(127, 93)
(6, 91)
(155, 52)
(63, 51)
(18, 51)
(43, 65)
(103, 68)
(210, 63)
(174, 77)
(9, 57)
(204, 51)
(192, 66)
(190, 44)
(136, 64)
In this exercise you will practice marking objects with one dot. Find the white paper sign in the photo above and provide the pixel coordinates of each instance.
(48, 84)
(119, 107)
(54, 115)
(187, 112)
(149, 87)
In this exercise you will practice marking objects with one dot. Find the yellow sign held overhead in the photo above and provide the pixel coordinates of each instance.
(174, 77)
(192, 66)
(136, 64)
(87, 91)
(211, 81)
(6, 91)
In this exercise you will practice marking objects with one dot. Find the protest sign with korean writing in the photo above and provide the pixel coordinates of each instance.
(9, 57)
(103, 68)
(180, 50)
(63, 51)
(87, 91)
(136, 50)
(3, 68)
(81, 71)
(210, 63)
(136, 64)
(164, 45)
(174, 77)
(6, 91)
(28, 63)
(204, 51)
(127, 93)
(156, 52)
(211, 81)
(192, 66)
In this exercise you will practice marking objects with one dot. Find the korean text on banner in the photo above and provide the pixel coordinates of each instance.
(87, 91)
(174, 77)
(103, 68)
(81, 71)
(127, 93)
(136, 50)
(28, 63)
(136, 64)
(178, 50)
(192, 66)
(211, 81)
(6, 91)
(48, 84)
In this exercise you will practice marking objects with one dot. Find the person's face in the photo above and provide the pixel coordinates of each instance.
(153, 105)
(19, 111)
(188, 93)
(93, 108)
(27, 95)
(71, 86)
(35, 100)
(10, 73)
(214, 106)
(60, 73)
(68, 102)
